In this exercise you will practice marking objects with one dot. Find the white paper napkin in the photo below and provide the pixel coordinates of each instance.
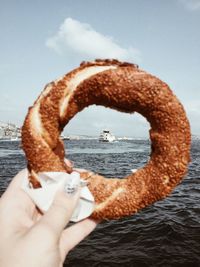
(51, 182)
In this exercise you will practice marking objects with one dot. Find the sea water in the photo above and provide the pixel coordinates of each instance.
(165, 234)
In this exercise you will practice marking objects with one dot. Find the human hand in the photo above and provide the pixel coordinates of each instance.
(31, 239)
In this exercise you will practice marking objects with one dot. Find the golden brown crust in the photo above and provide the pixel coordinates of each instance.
(124, 87)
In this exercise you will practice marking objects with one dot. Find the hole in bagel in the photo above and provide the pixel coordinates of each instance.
(130, 150)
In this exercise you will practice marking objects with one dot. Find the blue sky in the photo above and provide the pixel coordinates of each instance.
(42, 40)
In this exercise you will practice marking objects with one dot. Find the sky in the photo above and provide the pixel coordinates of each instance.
(42, 40)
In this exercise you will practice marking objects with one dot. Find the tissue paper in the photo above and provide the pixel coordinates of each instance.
(51, 182)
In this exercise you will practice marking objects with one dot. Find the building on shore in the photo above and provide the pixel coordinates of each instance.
(9, 131)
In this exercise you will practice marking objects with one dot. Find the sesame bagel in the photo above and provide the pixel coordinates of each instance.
(124, 87)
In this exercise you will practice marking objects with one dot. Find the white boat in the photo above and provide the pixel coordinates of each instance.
(15, 138)
(106, 136)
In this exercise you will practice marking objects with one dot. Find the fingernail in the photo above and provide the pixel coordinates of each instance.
(73, 184)
(69, 163)
(83, 183)
(72, 163)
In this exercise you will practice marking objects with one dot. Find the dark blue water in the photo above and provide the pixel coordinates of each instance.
(164, 234)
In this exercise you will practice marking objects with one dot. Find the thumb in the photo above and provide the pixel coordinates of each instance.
(61, 210)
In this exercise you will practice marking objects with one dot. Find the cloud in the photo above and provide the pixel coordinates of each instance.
(80, 38)
(191, 4)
